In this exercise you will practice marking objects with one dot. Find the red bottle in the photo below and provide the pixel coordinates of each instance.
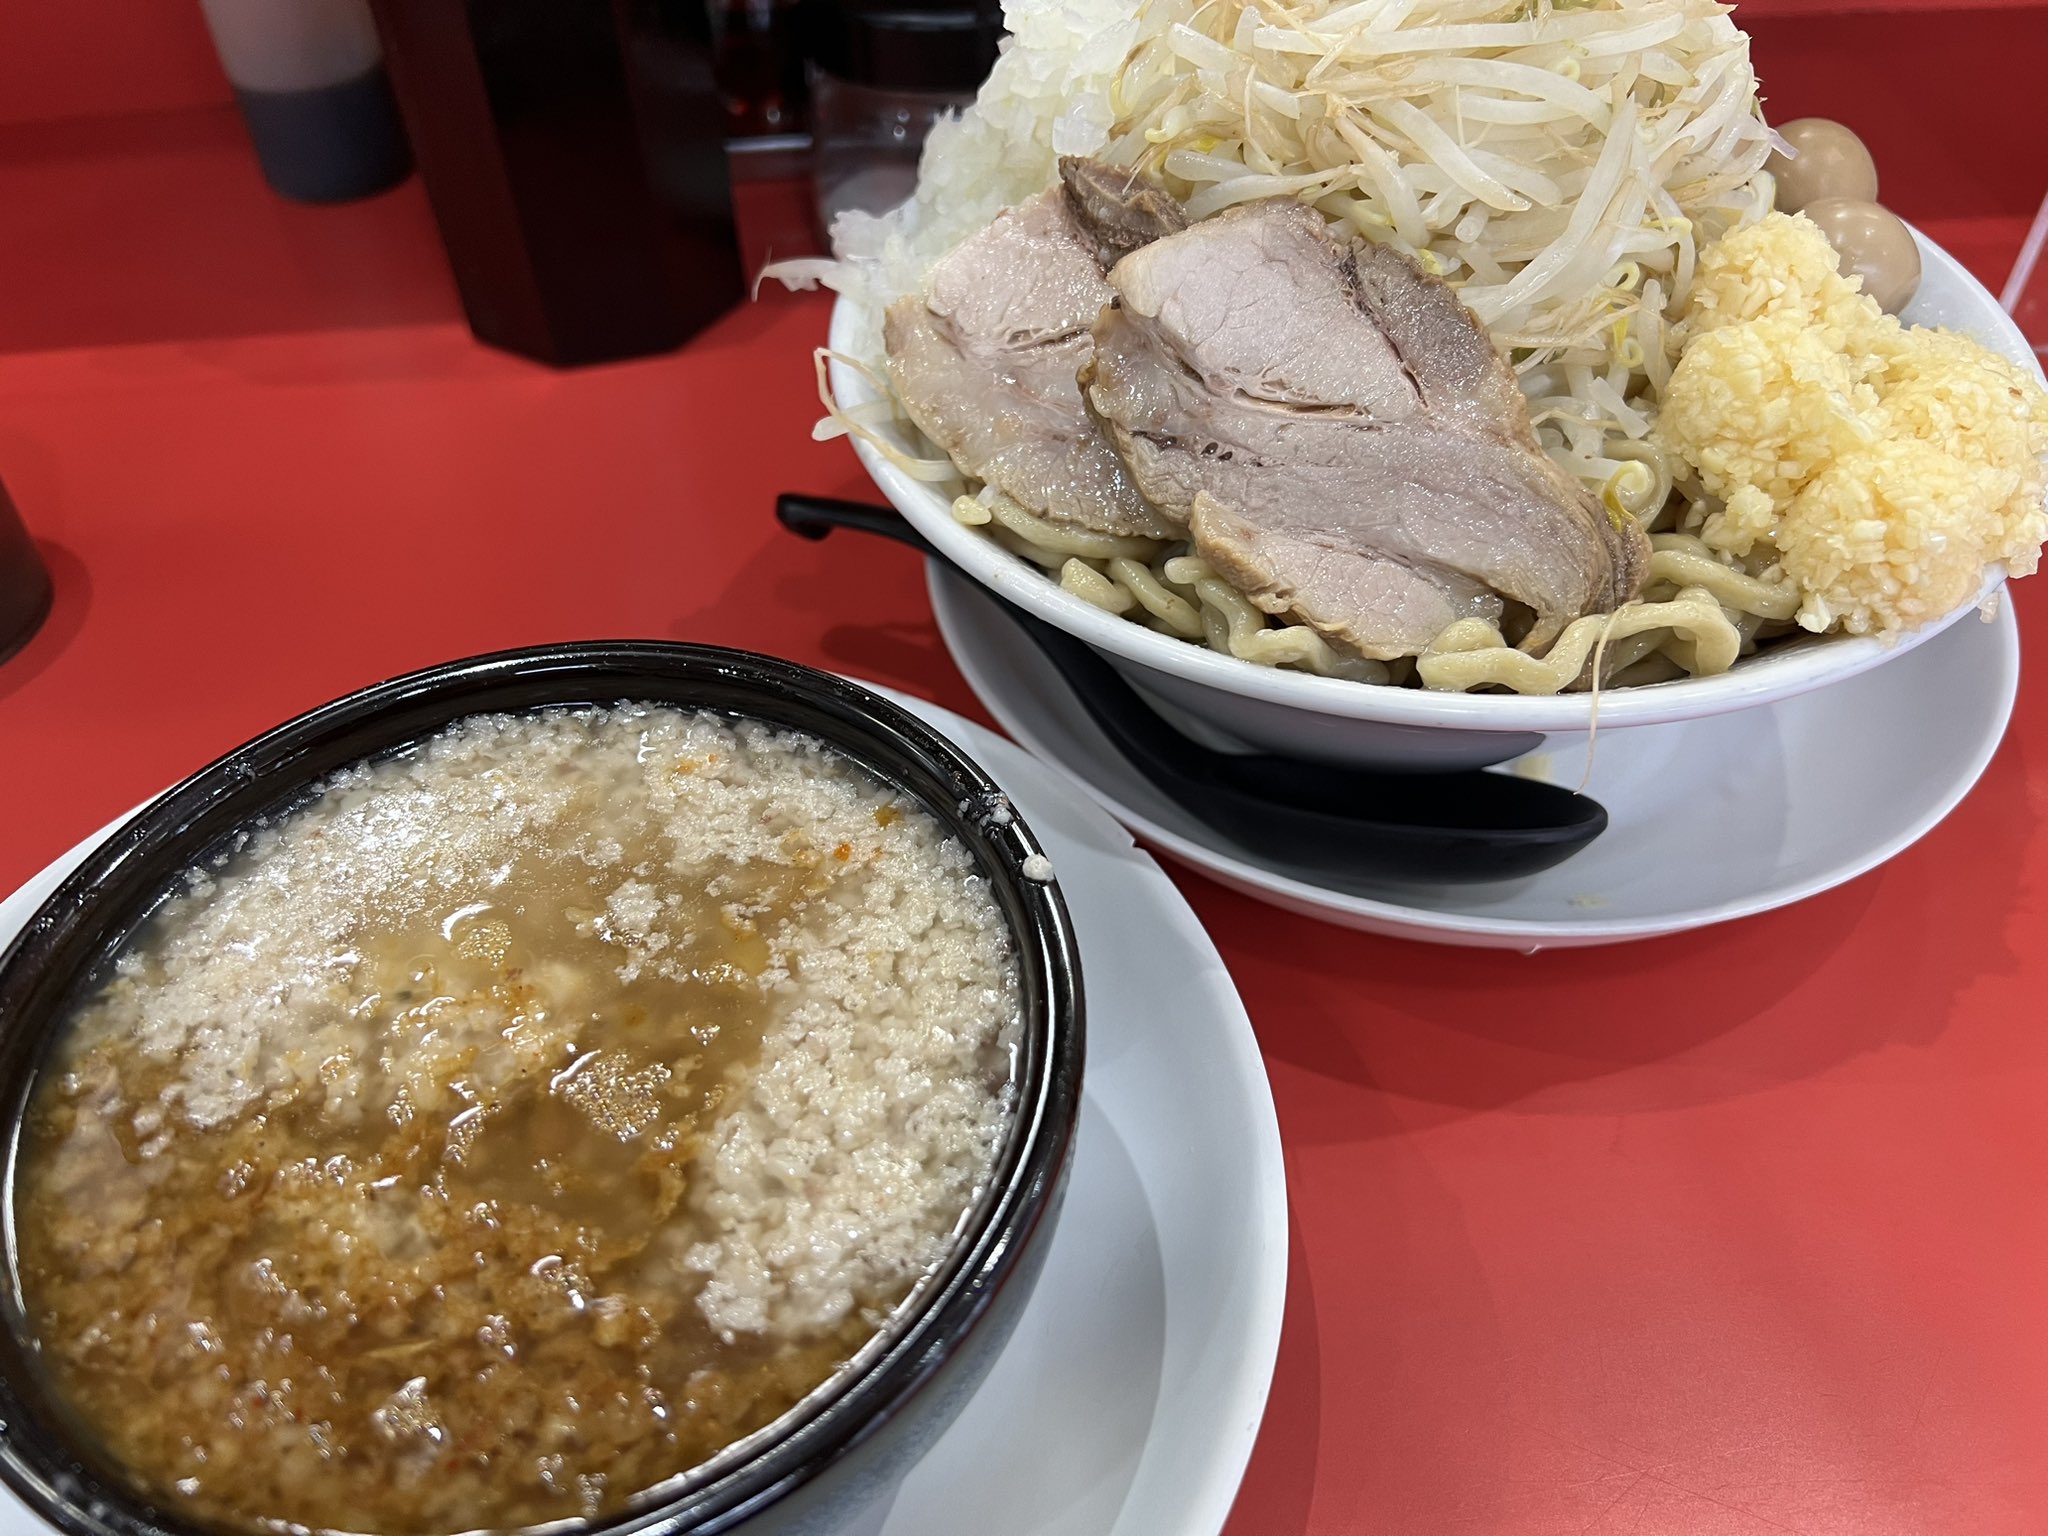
(758, 46)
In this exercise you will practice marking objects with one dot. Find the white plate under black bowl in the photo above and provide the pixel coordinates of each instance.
(1128, 1399)
(1711, 819)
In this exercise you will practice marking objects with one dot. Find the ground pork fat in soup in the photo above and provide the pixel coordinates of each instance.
(515, 1126)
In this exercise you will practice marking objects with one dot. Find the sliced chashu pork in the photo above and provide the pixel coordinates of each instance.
(985, 360)
(1342, 438)
(1117, 211)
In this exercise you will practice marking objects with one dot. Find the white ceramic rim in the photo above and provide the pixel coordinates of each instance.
(1430, 924)
(1761, 679)
(1237, 1410)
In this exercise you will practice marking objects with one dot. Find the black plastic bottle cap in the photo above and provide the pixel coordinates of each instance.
(903, 45)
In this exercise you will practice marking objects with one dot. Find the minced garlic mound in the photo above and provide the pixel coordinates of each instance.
(1883, 466)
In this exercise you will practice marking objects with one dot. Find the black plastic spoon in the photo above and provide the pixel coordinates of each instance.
(1436, 828)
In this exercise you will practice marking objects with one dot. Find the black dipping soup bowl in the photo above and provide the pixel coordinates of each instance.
(853, 1437)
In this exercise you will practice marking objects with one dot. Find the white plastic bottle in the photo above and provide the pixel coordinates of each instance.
(309, 77)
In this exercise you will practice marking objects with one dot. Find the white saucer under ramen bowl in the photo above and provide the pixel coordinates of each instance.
(1710, 819)
(1403, 728)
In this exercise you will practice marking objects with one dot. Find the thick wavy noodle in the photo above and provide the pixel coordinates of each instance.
(1697, 615)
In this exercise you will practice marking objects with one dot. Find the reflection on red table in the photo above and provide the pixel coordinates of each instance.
(1735, 1233)
(2026, 287)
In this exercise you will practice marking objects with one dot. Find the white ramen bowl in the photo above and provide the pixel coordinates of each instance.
(1227, 701)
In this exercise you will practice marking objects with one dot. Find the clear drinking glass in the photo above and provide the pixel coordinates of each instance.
(881, 73)
(867, 139)
(2026, 291)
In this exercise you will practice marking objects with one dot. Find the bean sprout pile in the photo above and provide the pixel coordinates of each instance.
(1559, 164)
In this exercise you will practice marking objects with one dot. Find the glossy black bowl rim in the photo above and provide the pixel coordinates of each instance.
(69, 938)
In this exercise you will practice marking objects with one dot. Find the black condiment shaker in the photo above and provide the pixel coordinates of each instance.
(574, 154)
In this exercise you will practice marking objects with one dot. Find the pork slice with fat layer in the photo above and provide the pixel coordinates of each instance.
(985, 362)
(1365, 456)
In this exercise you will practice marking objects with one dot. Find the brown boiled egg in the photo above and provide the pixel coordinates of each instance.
(1830, 162)
(1872, 243)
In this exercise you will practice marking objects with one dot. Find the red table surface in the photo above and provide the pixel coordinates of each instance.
(1739, 1232)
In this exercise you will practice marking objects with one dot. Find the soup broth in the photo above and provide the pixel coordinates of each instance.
(515, 1126)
